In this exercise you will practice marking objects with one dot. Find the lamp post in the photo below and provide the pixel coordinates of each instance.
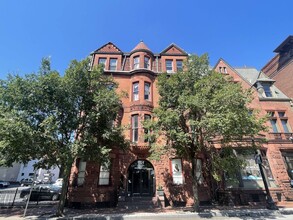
(270, 202)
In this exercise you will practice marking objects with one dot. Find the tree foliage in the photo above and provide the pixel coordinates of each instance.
(56, 118)
(198, 109)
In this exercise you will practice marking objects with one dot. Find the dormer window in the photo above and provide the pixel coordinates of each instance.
(267, 89)
(169, 66)
(179, 65)
(113, 64)
(102, 61)
(146, 62)
(136, 62)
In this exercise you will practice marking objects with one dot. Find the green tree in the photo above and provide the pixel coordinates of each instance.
(198, 108)
(55, 119)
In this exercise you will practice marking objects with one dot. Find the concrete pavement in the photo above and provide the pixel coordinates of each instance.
(172, 213)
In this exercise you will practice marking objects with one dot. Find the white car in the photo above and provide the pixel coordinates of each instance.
(4, 184)
(58, 182)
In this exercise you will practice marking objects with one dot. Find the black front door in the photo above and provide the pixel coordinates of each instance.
(141, 179)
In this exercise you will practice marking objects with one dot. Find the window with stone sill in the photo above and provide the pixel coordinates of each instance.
(147, 92)
(81, 172)
(146, 131)
(177, 173)
(134, 128)
(104, 175)
(279, 117)
(135, 91)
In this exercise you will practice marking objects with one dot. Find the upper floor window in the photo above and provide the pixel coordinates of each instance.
(179, 64)
(134, 128)
(135, 91)
(147, 87)
(136, 62)
(113, 64)
(146, 131)
(267, 89)
(274, 125)
(169, 66)
(276, 118)
(146, 63)
(102, 61)
(222, 69)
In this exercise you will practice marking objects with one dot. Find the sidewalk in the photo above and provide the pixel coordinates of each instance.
(119, 214)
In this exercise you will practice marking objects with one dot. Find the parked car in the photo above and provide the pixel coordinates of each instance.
(28, 182)
(59, 182)
(42, 192)
(4, 183)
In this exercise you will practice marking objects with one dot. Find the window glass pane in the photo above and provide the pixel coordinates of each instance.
(136, 63)
(113, 64)
(267, 89)
(285, 126)
(179, 64)
(81, 172)
(135, 91)
(147, 91)
(104, 177)
(274, 125)
(146, 131)
(134, 128)
(281, 114)
(169, 65)
(146, 62)
(102, 61)
(177, 171)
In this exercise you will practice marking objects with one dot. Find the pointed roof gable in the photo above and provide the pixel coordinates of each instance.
(233, 73)
(140, 46)
(108, 48)
(173, 49)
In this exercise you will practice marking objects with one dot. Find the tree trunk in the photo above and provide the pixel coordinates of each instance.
(195, 186)
(63, 196)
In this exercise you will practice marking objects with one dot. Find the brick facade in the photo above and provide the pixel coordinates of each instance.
(141, 66)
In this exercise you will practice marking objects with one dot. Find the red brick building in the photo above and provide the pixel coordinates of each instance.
(280, 67)
(131, 174)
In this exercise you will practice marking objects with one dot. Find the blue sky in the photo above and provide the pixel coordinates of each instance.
(241, 32)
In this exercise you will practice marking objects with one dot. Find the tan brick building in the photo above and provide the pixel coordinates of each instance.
(131, 174)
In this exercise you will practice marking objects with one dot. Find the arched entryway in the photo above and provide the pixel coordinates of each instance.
(141, 179)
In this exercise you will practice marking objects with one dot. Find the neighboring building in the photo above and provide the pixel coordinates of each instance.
(21, 171)
(131, 174)
(278, 151)
(280, 68)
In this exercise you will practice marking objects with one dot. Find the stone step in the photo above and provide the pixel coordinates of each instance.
(138, 203)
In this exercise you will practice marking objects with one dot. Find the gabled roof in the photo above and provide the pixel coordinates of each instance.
(173, 49)
(234, 71)
(285, 44)
(108, 48)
